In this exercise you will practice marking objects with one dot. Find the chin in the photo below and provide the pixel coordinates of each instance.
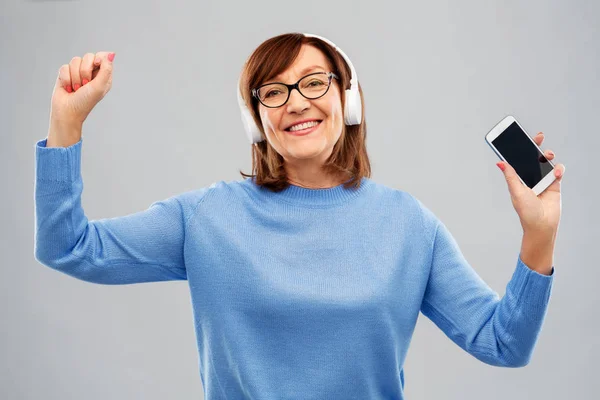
(305, 151)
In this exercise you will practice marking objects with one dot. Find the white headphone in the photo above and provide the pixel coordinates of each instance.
(352, 108)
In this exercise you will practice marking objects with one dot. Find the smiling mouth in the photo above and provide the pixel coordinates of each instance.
(318, 123)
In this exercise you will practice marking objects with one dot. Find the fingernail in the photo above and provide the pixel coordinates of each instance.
(97, 60)
(85, 81)
(559, 173)
(551, 153)
(76, 86)
(111, 57)
(69, 89)
(501, 165)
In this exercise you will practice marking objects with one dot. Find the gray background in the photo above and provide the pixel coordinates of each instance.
(436, 78)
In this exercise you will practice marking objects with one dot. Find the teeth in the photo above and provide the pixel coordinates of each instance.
(303, 126)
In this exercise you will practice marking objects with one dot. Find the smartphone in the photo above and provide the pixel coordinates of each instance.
(512, 144)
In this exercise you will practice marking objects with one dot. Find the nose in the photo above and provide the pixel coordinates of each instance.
(297, 103)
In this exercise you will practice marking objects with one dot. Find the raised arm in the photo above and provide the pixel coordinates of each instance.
(142, 247)
(499, 332)
(145, 246)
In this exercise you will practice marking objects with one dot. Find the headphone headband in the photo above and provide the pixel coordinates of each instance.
(353, 78)
(352, 106)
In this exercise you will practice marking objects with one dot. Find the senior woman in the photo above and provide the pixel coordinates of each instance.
(306, 277)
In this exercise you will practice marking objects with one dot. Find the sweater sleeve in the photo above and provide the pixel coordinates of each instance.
(145, 246)
(500, 332)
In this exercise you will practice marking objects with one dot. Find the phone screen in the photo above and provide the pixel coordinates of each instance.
(522, 154)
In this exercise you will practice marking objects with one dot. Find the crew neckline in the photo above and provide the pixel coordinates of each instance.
(320, 197)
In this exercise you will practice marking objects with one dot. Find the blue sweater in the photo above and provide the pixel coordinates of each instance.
(302, 294)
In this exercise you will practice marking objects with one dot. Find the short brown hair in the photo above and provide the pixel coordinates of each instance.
(349, 155)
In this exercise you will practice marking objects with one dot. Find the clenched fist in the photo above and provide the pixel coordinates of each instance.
(80, 85)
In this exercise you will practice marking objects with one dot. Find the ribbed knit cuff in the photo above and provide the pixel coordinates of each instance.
(531, 288)
(58, 163)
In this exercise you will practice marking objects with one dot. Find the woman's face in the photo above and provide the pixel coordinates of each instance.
(316, 146)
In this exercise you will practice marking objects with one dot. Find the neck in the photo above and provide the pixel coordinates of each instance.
(317, 182)
(310, 175)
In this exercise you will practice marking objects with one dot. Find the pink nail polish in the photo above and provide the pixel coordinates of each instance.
(85, 81)
(69, 89)
(76, 86)
(111, 57)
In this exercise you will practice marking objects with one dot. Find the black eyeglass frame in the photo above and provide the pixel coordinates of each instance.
(330, 75)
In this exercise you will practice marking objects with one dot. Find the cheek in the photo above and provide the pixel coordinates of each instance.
(267, 121)
(337, 116)
(269, 128)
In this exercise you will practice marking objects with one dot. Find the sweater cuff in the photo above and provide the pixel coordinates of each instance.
(531, 288)
(58, 163)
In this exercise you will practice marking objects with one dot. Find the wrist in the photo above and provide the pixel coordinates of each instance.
(61, 134)
(537, 251)
(540, 235)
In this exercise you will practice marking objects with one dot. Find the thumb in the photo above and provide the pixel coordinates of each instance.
(102, 82)
(515, 186)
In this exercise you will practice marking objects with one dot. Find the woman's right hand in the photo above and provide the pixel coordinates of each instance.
(80, 85)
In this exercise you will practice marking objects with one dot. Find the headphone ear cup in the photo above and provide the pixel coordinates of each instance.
(352, 108)
(252, 131)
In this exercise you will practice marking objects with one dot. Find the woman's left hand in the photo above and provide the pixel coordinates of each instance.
(538, 214)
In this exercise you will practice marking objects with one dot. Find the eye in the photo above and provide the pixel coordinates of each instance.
(271, 92)
(317, 82)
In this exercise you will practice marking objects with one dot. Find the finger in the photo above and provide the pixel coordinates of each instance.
(64, 78)
(87, 65)
(558, 172)
(549, 154)
(74, 67)
(539, 138)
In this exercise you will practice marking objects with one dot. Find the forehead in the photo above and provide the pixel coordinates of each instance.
(310, 59)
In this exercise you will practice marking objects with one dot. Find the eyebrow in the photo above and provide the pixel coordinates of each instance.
(302, 72)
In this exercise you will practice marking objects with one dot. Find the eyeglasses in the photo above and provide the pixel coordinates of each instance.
(311, 86)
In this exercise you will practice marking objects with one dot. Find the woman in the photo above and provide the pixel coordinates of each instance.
(307, 277)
